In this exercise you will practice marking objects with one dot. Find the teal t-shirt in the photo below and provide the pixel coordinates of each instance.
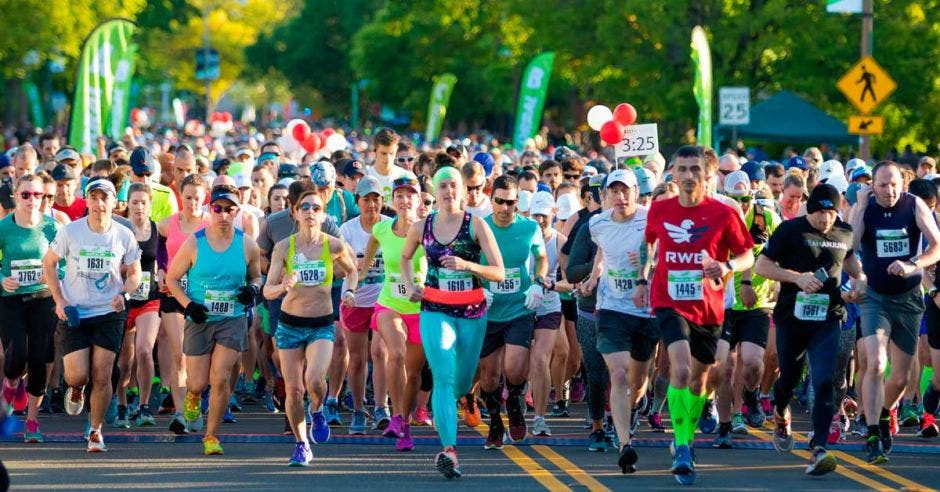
(22, 249)
(516, 242)
(341, 201)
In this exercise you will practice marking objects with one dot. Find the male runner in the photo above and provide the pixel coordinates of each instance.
(696, 234)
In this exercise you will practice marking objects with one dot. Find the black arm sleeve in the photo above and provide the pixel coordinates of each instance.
(581, 260)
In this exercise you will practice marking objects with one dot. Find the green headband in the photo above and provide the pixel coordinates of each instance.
(446, 172)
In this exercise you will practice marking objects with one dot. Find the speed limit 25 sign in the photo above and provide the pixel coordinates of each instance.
(734, 106)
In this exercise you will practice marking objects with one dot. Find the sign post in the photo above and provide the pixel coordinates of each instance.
(734, 108)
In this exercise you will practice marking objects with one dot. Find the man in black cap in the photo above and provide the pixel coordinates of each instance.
(351, 171)
(65, 199)
(807, 256)
(144, 170)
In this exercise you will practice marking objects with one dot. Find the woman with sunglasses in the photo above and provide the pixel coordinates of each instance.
(217, 261)
(453, 308)
(396, 316)
(143, 306)
(301, 270)
(26, 305)
(174, 230)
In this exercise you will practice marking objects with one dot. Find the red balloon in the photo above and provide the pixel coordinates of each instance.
(625, 114)
(300, 132)
(327, 132)
(612, 132)
(312, 143)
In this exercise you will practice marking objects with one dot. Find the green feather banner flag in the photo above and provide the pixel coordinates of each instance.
(702, 57)
(532, 90)
(437, 106)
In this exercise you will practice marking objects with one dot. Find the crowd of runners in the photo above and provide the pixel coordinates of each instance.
(388, 286)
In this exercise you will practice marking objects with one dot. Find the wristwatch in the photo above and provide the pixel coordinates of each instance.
(913, 261)
(932, 292)
(730, 264)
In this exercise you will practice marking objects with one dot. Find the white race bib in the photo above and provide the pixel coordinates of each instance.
(685, 285)
(95, 261)
(220, 302)
(811, 307)
(26, 272)
(143, 290)
(184, 282)
(510, 285)
(311, 273)
(622, 281)
(891, 243)
(453, 281)
(376, 273)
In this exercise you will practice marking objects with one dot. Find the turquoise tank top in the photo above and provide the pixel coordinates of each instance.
(214, 279)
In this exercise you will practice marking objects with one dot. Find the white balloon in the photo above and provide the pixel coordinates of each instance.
(598, 115)
(289, 127)
(336, 142)
(289, 145)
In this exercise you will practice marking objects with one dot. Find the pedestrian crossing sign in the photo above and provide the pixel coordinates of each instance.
(866, 125)
(866, 85)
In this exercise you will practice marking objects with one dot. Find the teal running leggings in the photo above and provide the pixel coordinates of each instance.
(452, 347)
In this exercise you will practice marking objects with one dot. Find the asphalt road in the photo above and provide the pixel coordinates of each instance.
(256, 455)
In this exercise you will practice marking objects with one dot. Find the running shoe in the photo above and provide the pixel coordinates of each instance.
(319, 430)
(121, 421)
(167, 407)
(835, 431)
(577, 390)
(177, 425)
(380, 418)
(821, 462)
(783, 437)
(32, 434)
(302, 455)
(765, 405)
(20, 398)
(516, 414)
(268, 401)
(74, 400)
(394, 429)
(191, 407)
(928, 428)
(908, 416)
(357, 426)
(211, 446)
(887, 442)
(405, 442)
(560, 409)
(656, 422)
(9, 392)
(876, 453)
(133, 403)
(495, 437)
(635, 419)
(683, 468)
(110, 415)
(420, 417)
(96, 442)
(87, 430)
(722, 441)
(893, 425)
(708, 421)
(646, 404)
(471, 412)
(754, 416)
(233, 404)
(610, 433)
(597, 441)
(145, 418)
(737, 425)
(540, 427)
(331, 412)
(446, 464)
(228, 417)
(628, 459)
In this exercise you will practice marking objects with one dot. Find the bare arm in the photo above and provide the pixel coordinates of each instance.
(929, 228)
(493, 270)
(181, 264)
(344, 260)
(50, 263)
(412, 241)
(253, 257)
(372, 247)
(278, 284)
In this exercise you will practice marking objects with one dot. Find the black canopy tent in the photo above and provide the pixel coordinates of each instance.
(788, 118)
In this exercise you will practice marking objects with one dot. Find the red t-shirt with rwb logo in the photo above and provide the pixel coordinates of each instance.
(683, 232)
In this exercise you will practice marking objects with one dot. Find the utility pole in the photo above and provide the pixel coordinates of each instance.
(864, 148)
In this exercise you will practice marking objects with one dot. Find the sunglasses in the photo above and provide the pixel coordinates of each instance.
(306, 207)
(742, 199)
(474, 188)
(229, 209)
(725, 172)
(143, 175)
(35, 194)
(428, 203)
(572, 176)
(503, 201)
(406, 159)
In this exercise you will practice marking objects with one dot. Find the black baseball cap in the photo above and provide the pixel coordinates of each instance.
(823, 197)
(142, 162)
(351, 167)
(63, 172)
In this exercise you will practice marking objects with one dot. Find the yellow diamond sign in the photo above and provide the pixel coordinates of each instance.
(866, 84)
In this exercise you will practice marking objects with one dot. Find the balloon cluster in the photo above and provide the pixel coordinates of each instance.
(299, 136)
(610, 124)
(220, 123)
